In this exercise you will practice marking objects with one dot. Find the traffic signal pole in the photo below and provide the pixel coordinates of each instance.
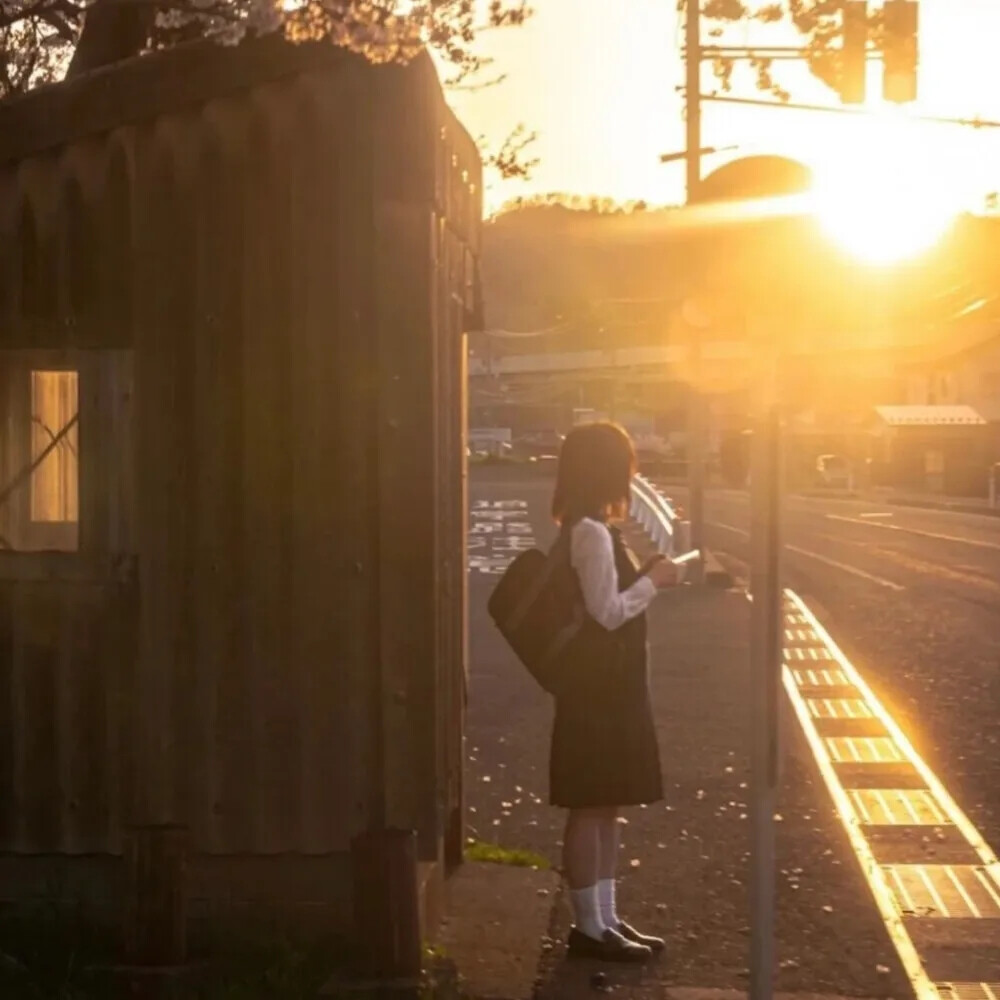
(766, 663)
(697, 423)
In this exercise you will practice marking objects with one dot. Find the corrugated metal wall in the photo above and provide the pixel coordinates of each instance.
(293, 318)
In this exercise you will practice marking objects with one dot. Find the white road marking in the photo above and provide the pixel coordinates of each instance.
(977, 543)
(498, 531)
(729, 527)
(843, 567)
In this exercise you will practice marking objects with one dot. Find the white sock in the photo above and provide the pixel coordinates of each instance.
(587, 911)
(606, 900)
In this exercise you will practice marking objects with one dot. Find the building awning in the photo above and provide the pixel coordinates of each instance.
(929, 416)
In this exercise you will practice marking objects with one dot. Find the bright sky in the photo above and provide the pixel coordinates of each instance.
(597, 80)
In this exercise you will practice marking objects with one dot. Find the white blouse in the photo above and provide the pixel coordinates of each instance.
(592, 555)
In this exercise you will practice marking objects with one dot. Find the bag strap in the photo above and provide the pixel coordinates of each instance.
(558, 554)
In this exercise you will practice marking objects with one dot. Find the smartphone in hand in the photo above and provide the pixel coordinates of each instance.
(650, 563)
(682, 562)
(688, 557)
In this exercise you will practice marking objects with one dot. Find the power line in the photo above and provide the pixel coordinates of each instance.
(855, 112)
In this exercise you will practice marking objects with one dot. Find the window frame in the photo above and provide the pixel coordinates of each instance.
(103, 530)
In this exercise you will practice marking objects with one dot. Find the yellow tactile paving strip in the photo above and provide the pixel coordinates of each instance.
(905, 894)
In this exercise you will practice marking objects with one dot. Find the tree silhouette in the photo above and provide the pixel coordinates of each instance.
(42, 41)
(819, 22)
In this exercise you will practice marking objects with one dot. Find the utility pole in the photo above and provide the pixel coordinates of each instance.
(692, 96)
(697, 429)
(766, 639)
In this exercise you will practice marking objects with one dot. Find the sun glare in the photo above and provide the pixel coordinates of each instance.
(887, 198)
(882, 222)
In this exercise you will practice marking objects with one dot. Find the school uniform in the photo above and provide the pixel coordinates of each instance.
(604, 749)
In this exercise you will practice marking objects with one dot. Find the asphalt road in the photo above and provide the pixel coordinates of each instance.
(913, 598)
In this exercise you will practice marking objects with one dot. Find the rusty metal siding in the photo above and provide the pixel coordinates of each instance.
(64, 651)
(252, 674)
(241, 266)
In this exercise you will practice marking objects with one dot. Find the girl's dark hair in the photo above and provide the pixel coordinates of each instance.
(596, 466)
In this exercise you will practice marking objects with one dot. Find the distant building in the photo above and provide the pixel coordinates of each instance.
(967, 374)
(934, 448)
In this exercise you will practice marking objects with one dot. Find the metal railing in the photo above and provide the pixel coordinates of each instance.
(655, 513)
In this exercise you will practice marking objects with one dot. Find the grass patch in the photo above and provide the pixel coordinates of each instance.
(495, 854)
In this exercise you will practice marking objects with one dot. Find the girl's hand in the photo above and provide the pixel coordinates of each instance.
(664, 574)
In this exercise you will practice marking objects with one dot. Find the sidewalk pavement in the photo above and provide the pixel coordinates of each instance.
(685, 862)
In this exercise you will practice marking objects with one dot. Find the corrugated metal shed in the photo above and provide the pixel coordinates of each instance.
(261, 262)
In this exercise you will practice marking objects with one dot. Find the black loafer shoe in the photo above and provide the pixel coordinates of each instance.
(612, 947)
(631, 934)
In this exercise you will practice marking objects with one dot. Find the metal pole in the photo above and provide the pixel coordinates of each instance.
(765, 681)
(697, 433)
(697, 430)
(692, 96)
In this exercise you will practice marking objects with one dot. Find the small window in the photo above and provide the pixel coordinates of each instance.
(55, 479)
(39, 456)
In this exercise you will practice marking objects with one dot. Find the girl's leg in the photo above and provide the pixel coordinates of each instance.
(582, 865)
(609, 832)
(607, 868)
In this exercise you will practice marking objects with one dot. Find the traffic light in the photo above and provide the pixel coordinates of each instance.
(854, 51)
(899, 46)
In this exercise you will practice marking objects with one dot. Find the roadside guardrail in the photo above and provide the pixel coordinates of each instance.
(658, 517)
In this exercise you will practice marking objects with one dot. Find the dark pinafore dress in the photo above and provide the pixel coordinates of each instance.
(604, 748)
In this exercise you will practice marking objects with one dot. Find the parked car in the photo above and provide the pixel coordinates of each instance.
(833, 472)
(540, 444)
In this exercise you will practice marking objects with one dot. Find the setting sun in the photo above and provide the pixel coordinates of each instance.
(880, 222)
(889, 195)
